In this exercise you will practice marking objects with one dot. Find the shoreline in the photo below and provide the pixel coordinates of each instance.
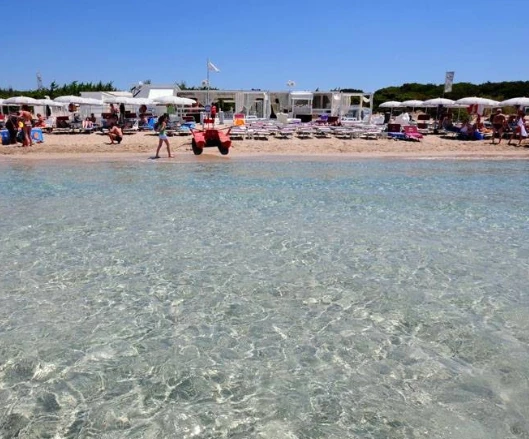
(142, 146)
(186, 158)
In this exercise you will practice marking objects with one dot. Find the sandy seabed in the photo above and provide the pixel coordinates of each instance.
(142, 145)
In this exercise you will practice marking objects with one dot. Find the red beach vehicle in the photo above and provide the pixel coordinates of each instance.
(210, 136)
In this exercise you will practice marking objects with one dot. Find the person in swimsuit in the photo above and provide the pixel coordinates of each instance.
(41, 122)
(115, 134)
(519, 129)
(162, 135)
(26, 118)
(498, 123)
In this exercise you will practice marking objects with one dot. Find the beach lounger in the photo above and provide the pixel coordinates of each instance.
(412, 133)
(394, 132)
(273, 129)
(343, 133)
(131, 127)
(285, 132)
(183, 130)
(322, 132)
(304, 132)
(237, 132)
(261, 134)
(63, 125)
(371, 132)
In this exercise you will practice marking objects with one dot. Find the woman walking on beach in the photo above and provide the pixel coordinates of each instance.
(162, 135)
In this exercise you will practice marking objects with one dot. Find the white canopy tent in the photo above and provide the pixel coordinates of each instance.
(257, 102)
(346, 107)
(301, 103)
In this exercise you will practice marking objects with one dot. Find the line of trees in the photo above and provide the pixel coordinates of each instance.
(55, 90)
(493, 90)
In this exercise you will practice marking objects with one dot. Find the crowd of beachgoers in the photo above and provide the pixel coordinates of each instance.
(405, 135)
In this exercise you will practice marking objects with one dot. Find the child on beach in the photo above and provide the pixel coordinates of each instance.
(162, 135)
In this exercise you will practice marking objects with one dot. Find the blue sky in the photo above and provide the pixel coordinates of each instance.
(263, 44)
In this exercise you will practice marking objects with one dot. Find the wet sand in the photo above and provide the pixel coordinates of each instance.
(142, 146)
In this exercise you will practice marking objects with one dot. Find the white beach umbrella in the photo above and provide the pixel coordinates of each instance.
(390, 104)
(142, 101)
(21, 100)
(70, 99)
(173, 100)
(78, 100)
(438, 101)
(516, 102)
(127, 100)
(50, 103)
(116, 99)
(475, 100)
(412, 103)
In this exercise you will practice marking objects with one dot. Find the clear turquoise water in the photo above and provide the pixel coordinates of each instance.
(240, 299)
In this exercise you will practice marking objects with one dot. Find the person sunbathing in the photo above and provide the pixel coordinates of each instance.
(467, 131)
(88, 124)
(116, 134)
(41, 122)
(448, 125)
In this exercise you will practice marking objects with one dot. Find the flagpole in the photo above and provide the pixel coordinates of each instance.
(207, 81)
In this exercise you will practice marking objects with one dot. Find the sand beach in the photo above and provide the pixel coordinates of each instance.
(96, 146)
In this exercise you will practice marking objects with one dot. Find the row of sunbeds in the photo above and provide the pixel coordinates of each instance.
(262, 131)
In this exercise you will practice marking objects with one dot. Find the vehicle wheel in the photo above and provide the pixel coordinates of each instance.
(196, 149)
(223, 150)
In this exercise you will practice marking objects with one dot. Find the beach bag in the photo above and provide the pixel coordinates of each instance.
(20, 137)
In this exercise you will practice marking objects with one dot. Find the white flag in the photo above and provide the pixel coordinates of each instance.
(212, 67)
(449, 79)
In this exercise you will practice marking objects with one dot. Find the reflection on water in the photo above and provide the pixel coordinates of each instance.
(265, 300)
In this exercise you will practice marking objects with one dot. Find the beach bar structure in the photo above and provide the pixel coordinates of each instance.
(264, 104)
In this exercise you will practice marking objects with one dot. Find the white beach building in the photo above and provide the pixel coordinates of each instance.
(263, 104)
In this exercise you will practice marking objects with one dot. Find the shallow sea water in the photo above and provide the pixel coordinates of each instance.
(279, 299)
